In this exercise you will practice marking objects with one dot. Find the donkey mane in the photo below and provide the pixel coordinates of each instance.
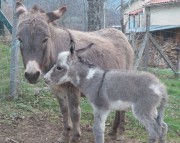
(73, 48)
(86, 62)
(37, 9)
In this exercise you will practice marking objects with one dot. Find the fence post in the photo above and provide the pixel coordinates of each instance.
(14, 56)
(146, 52)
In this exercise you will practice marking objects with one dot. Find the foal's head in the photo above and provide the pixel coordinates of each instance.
(67, 66)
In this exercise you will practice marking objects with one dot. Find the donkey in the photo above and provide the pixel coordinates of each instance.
(40, 42)
(108, 90)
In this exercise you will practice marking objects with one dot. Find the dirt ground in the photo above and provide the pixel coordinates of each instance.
(38, 129)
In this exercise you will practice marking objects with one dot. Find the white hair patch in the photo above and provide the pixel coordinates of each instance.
(119, 105)
(91, 73)
(32, 67)
(62, 57)
(156, 89)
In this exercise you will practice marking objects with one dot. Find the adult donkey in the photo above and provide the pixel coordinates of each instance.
(40, 42)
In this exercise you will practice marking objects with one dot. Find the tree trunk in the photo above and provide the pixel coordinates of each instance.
(122, 16)
(95, 14)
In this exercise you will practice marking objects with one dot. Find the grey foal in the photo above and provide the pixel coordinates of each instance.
(114, 90)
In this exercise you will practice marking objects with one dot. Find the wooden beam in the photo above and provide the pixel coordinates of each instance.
(158, 47)
(146, 52)
(141, 51)
(178, 66)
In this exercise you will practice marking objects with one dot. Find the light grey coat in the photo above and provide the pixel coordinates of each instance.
(114, 90)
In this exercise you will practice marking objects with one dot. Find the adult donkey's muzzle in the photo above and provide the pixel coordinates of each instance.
(32, 72)
(32, 77)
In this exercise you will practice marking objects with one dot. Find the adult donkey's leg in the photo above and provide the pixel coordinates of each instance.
(118, 126)
(61, 95)
(75, 112)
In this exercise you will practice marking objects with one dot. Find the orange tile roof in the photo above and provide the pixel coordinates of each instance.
(159, 2)
(134, 12)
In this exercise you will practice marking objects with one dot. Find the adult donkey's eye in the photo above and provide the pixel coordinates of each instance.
(59, 68)
(20, 40)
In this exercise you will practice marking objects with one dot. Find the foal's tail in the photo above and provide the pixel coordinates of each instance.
(160, 119)
(160, 116)
(164, 98)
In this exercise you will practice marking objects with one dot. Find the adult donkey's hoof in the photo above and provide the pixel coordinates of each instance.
(116, 136)
(120, 137)
(112, 135)
(64, 139)
(75, 139)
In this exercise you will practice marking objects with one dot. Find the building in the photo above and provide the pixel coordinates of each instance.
(164, 25)
(164, 15)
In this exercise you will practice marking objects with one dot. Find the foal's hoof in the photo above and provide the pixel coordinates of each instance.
(120, 137)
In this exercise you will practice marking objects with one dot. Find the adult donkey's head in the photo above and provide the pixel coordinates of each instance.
(34, 35)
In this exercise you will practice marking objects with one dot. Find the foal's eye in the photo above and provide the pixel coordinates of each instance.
(59, 68)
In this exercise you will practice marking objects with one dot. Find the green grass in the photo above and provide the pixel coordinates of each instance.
(4, 68)
(34, 99)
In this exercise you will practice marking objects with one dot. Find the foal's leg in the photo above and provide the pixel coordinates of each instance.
(164, 129)
(145, 116)
(61, 95)
(75, 111)
(99, 124)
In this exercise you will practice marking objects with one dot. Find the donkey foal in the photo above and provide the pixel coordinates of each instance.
(114, 90)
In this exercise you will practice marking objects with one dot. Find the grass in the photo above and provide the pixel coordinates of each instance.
(35, 99)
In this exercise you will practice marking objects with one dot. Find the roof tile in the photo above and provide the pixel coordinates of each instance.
(159, 2)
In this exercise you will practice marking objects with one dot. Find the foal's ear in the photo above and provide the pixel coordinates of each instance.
(84, 50)
(54, 15)
(20, 9)
(72, 47)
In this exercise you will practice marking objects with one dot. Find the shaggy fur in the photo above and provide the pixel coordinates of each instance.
(41, 41)
(114, 90)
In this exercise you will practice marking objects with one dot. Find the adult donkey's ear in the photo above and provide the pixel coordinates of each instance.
(54, 15)
(20, 9)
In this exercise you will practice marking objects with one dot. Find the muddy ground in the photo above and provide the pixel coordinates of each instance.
(39, 129)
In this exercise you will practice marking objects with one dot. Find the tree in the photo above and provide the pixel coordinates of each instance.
(95, 14)
(122, 16)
